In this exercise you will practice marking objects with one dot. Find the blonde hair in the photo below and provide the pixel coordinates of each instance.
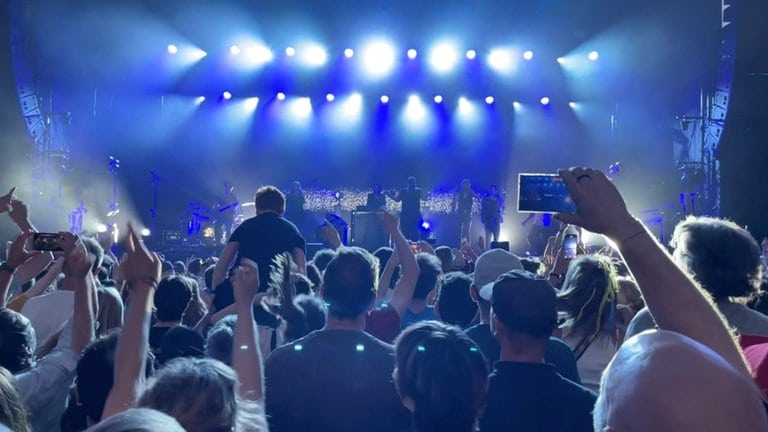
(12, 411)
(138, 420)
(202, 395)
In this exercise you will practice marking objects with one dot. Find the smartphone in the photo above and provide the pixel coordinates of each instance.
(46, 242)
(416, 248)
(570, 246)
(543, 193)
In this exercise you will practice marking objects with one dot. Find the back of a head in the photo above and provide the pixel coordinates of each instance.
(95, 374)
(311, 317)
(194, 266)
(430, 272)
(138, 420)
(445, 255)
(532, 265)
(722, 256)
(172, 298)
(269, 199)
(322, 258)
(441, 376)
(218, 344)
(525, 305)
(314, 275)
(181, 341)
(383, 254)
(349, 283)
(17, 341)
(588, 294)
(12, 411)
(301, 284)
(454, 303)
(180, 268)
(199, 393)
(676, 384)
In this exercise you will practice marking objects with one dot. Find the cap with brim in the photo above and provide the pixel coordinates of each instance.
(490, 266)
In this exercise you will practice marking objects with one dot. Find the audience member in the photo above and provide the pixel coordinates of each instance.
(445, 255)
(181, 341)
(171, 299)
(338, 378)
(725, 260)
(441, 377)
(218, 345)
(322, 258)
(588, 300)
(654, 381)
(197, 307)
(454, 304)
(314, 275)
(12, 411)
(629, 301)
(525, 393)
(490, 265)
(139, 420)
(429, 279)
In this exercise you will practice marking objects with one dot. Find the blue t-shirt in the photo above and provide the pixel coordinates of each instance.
(409, 317)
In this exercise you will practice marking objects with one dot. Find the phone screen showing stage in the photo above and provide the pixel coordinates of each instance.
(543, 193)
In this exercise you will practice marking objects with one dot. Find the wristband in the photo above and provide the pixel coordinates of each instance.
(147, 280)
(7, 268)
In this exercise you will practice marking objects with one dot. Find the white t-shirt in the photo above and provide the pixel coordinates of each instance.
(48, 313)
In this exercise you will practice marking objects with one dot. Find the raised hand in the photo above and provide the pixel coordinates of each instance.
(600, 207)
(245, 283)
(5, 200)
(330, 235)
(138, 263)
(19, 212)
(18, 253)
(77, 261)
(389, 222)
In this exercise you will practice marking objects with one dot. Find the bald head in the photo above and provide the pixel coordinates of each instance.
(664, 381)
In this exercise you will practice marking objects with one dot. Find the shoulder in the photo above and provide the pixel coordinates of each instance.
(288, 351)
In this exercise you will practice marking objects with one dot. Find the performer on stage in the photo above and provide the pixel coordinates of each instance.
(410, 215)
(376, 200)
(464, 200)
(491, 211)
(294, 204)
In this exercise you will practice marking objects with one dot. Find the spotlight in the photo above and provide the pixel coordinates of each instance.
(500, 60)
(101, 228)
(349, 52)
(471, 54)
(443, 57)
(280, 96)
(426, 225)
(561, 60)
(572, 104)
(173, 49)
(517, 105)
(145, 232)
(412, 53)
(260, 54)
(353, 105)
(489, 100)
(330, 97)
(302, 107)
(438, 99)
(593, 56)
(234, 50)
(226, 95)
(545, 101)
(251, 103)
(379, 58)
(315, 55)
(415, 110)
(199, 100)
(528, 55)
(463, 103)
(290, 51)
(384, 99)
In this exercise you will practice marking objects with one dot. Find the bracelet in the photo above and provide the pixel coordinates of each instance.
(7, 268)
(148, 280)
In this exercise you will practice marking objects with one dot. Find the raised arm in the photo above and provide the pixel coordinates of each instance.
(385, 281)
(19, 213)
(246, 356)
(673, 298)
(17, 256)
(77, 277)
(54, 270)
(222, 265)
(403, 292)
(142, 271)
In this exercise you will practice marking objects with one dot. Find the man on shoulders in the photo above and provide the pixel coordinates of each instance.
(525, 393)
(259, 239)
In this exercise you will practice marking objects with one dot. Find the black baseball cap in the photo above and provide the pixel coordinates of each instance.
(525, 303)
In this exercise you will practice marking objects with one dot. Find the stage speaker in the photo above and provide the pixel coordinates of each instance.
(367, 231)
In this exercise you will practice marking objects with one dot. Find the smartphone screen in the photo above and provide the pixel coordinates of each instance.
(543, 193)
(47, 242)
(570, 246)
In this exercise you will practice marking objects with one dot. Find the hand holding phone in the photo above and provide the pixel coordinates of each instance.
(570, 246)
(47, 242)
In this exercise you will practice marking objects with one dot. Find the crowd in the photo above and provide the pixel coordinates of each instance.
(407, 338)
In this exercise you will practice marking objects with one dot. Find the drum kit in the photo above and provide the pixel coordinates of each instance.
(214, 224)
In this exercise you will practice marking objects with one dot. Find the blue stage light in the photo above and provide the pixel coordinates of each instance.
(384, 99)
(545, 101)
(593, 56)
(234, 50)
(314, 55)
(500, 60)
(489, 100)
(528, 55)
(438, 99)
(443, 57)
(349, 52)
(280, 96)
(173, 49)
(471, 54)
(226, 95)
(330, 97)
(412, 53)
(290, 51)
(378, 58)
